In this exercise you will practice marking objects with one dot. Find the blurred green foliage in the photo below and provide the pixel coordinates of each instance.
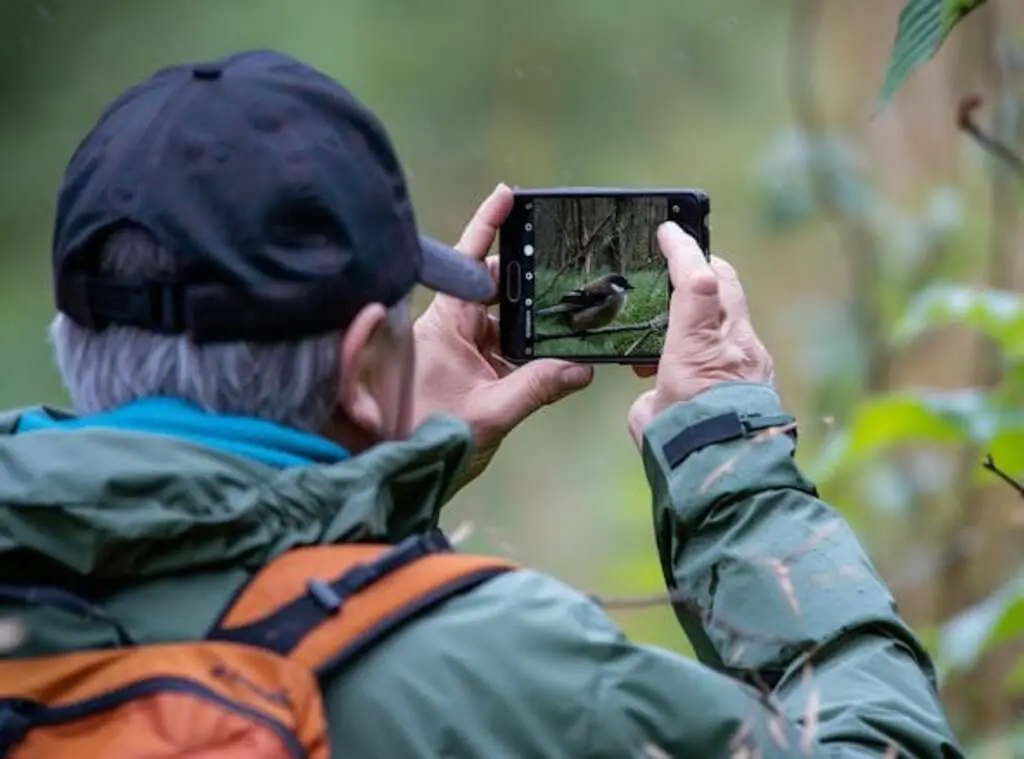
(660, 93)
(892, 446)
(988, 419)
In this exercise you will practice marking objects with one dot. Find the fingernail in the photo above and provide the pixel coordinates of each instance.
(577, 375)
(677, 234)
(500, 186)
(677, 230)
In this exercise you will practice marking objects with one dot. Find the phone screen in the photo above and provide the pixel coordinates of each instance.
(583, 276)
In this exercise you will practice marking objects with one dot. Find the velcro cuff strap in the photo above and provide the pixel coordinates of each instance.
(758, 423)
(718, 429)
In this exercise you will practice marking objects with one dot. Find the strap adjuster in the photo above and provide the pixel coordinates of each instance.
(331, 596)
(718, 429)
(165, 307)
(155, 306)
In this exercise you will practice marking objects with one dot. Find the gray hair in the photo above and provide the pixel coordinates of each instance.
(294, 384)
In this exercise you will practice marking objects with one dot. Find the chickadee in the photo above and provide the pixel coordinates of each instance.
(592, 306)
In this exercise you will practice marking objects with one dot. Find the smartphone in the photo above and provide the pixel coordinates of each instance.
(581, 274)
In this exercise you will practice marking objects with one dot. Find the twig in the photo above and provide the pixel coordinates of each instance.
(969, 104)
(779, 567)
(658, 322)
(641, 340)
(586, 246)
(675, 598)
(964, 535)
(990, 465)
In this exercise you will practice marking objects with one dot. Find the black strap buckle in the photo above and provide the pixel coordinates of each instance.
(331, 596)
(719, 429)
(282, 630)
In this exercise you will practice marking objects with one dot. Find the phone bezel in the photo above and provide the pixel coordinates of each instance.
(516, 338)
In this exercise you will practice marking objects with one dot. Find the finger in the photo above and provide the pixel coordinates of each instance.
(494, 267)
(502, 367)
(682, 253)
(734, 300)
(643, 372)
(490, 343)
(479, 234)
(696, 304)
(493, 333)
(532, 386)
(640, 415)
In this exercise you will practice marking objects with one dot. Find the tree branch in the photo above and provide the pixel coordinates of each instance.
(658, 322)
(585, 249)
(1013, 482)
(969, 104)
(676, 599)
(643, 338)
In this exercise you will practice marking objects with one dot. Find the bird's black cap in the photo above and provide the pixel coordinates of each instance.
(278, 192)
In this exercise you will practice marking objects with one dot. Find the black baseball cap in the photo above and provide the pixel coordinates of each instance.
(279, 194)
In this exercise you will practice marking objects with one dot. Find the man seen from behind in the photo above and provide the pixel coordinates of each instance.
(234, 253)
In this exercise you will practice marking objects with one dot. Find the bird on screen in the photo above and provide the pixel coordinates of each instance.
(592, 306)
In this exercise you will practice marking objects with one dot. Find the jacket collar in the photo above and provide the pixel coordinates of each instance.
(109, 504)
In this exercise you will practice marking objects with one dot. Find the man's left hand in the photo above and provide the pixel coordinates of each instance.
(459, 368)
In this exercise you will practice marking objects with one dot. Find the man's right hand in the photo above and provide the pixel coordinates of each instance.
(710, 339)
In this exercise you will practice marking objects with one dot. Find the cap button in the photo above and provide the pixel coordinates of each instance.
(207, 71)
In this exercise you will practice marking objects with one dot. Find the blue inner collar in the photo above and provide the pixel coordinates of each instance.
(269, 443)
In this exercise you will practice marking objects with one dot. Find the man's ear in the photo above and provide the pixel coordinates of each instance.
(359, 365)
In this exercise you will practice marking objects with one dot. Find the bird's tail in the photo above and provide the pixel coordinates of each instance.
(558, 308)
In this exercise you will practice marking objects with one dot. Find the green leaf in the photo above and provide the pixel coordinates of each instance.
(997, 314)
(997, 620)
(1015, 680)
(886, 421)
(889, 420)
(1010, 624)
(923, 27)
(965, 637)
(943, 418)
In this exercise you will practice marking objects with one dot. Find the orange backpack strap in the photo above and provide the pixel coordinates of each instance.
(323, 605)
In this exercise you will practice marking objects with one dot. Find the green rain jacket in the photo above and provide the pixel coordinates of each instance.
(780, 596)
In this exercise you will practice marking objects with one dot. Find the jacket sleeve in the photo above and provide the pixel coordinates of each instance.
(775, 591)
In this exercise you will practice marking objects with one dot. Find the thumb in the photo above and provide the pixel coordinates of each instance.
(533, 385)
(640, 415)
(697, 305)
(696, 301)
